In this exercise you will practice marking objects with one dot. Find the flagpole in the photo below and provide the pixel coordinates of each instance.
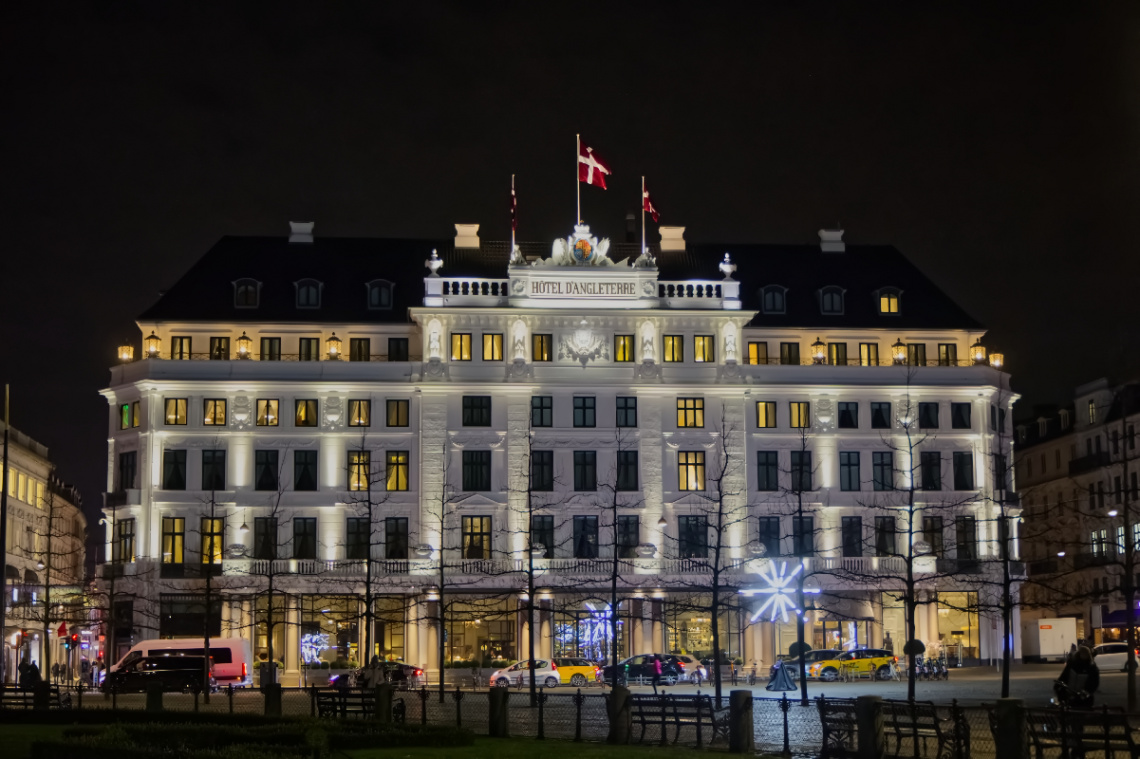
(577, 181)
(514, 213)
(643, 215)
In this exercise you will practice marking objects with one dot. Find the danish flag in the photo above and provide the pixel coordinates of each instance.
(591, 168)
(647, 205)
(514, 207)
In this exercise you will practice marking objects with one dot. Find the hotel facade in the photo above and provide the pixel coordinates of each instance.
(444, 427)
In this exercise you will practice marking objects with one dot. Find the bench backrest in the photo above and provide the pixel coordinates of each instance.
(836, 710)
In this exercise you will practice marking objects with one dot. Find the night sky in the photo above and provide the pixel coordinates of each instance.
(995, 144)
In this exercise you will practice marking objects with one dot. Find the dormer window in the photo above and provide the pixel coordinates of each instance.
(247, 293)
(379, 295)
(773, 299)
(888, 300)
(831, 301)
(308, 293)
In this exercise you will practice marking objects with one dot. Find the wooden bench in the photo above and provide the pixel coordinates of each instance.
(919, 721)
(1075, 732)
(837, 718)
(678, 711)
(343, 703)
(14, 697)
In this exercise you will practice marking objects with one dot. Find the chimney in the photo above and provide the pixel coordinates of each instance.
(301, 231)
(630, 227)
(831, 241)
(467, 236)
(672, 239)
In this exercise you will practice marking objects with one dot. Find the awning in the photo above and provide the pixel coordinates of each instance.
(1116, 618)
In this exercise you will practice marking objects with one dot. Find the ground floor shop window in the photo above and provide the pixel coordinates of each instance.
(688, 628)
(389, 614)
(480, 632)
(583, 628)
(840, 634)
(270, 628)
(957, 628)
(329, 635)
(185, 615)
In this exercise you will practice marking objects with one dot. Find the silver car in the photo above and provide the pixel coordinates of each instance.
(1111, 657)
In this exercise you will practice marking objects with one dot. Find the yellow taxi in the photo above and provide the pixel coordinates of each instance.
(576, 672)
(863, 662)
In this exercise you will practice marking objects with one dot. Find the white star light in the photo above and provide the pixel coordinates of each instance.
(780, 591)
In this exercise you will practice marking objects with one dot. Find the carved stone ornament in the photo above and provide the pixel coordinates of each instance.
(240, 413)
(518, 370)
(434, 263)
(648, 370)
(646, 550)
(583, 345)
(434, 370)
(730, 372)
(517, 258)
(235, 550)
(579, 249)
(825, 413)
(334, 413)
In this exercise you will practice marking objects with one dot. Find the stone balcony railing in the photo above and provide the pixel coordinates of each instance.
(698, 293)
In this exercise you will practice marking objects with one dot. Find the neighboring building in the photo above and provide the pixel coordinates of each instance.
(1079, 474)
(531, 397)
(45, 552)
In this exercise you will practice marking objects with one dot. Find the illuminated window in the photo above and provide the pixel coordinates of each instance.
(623, 348)
(916, 354)
(123, 549)
(219, 348)
(360, 413)
(475, 534)
(214, 412)
(173, 539)
(267, 412)
(124, 416)
(758, 353)
(270, 349)
(868, 354)
(308, 293)
(180, 348)
(541, 347)
(175, 410)
(889, 300)
(800, 414)
(691, 470)
(837, 354)
(359, 349)
(773, 300)
(947, 354)
(136, 413)
(690, 412)
(1092, 413)
(397, 470)
(305, 413)
(359, 469)
(213, 534)
(493, 347)
(765, 413)
(398, 413)
(703, 348)
(461, 346)
(674, 348)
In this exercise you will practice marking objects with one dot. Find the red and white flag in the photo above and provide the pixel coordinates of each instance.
(647, 204)
(591, 168)
(514, 207)
(62, 631)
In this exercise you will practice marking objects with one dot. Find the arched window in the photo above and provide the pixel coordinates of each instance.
(888, 300)
(831, 300)
(379, 295)
(773, 299)
(246, 293)
(308, 293)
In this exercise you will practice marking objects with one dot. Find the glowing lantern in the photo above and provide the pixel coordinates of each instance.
(151, 345)
(996, 360)
(818, 352)
(126, 353)
(333, 347)
(244, 346)
(978, 352)
(898, 352)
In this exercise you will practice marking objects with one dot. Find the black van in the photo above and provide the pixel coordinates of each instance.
(175, 673)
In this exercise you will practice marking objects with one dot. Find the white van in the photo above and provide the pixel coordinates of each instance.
(233, 658)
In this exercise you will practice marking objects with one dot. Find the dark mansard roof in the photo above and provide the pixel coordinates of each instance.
(344, 266)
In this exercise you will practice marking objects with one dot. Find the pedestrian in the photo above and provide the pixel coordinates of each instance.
(1079, 680)
(55, 672)
(656, 672)
(34, 677)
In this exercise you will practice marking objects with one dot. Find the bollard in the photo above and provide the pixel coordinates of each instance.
(154, 697)
(741, 729)
(385, 692)
(272, 693)
(871, 743)
(1011, 732)
(230, 696)
(498, 709)
(620, 718)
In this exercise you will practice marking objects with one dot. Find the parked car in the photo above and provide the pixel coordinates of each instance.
(401, 674)
(1111, 656)
(641, 666)
(874, 661)
(174, 673)
(232, 657)
(810, 658)
(518, 674)
(692, 670)
(576, 672)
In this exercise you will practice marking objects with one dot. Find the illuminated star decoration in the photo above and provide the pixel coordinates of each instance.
(780, 591)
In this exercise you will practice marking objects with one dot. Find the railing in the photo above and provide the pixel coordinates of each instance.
(475, 291)
(384, 357)
(696, 293)
(862, 564)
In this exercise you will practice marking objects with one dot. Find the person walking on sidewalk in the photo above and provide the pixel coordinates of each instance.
(656, 672)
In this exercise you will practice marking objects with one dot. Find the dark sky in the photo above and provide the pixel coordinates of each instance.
(995, 144)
